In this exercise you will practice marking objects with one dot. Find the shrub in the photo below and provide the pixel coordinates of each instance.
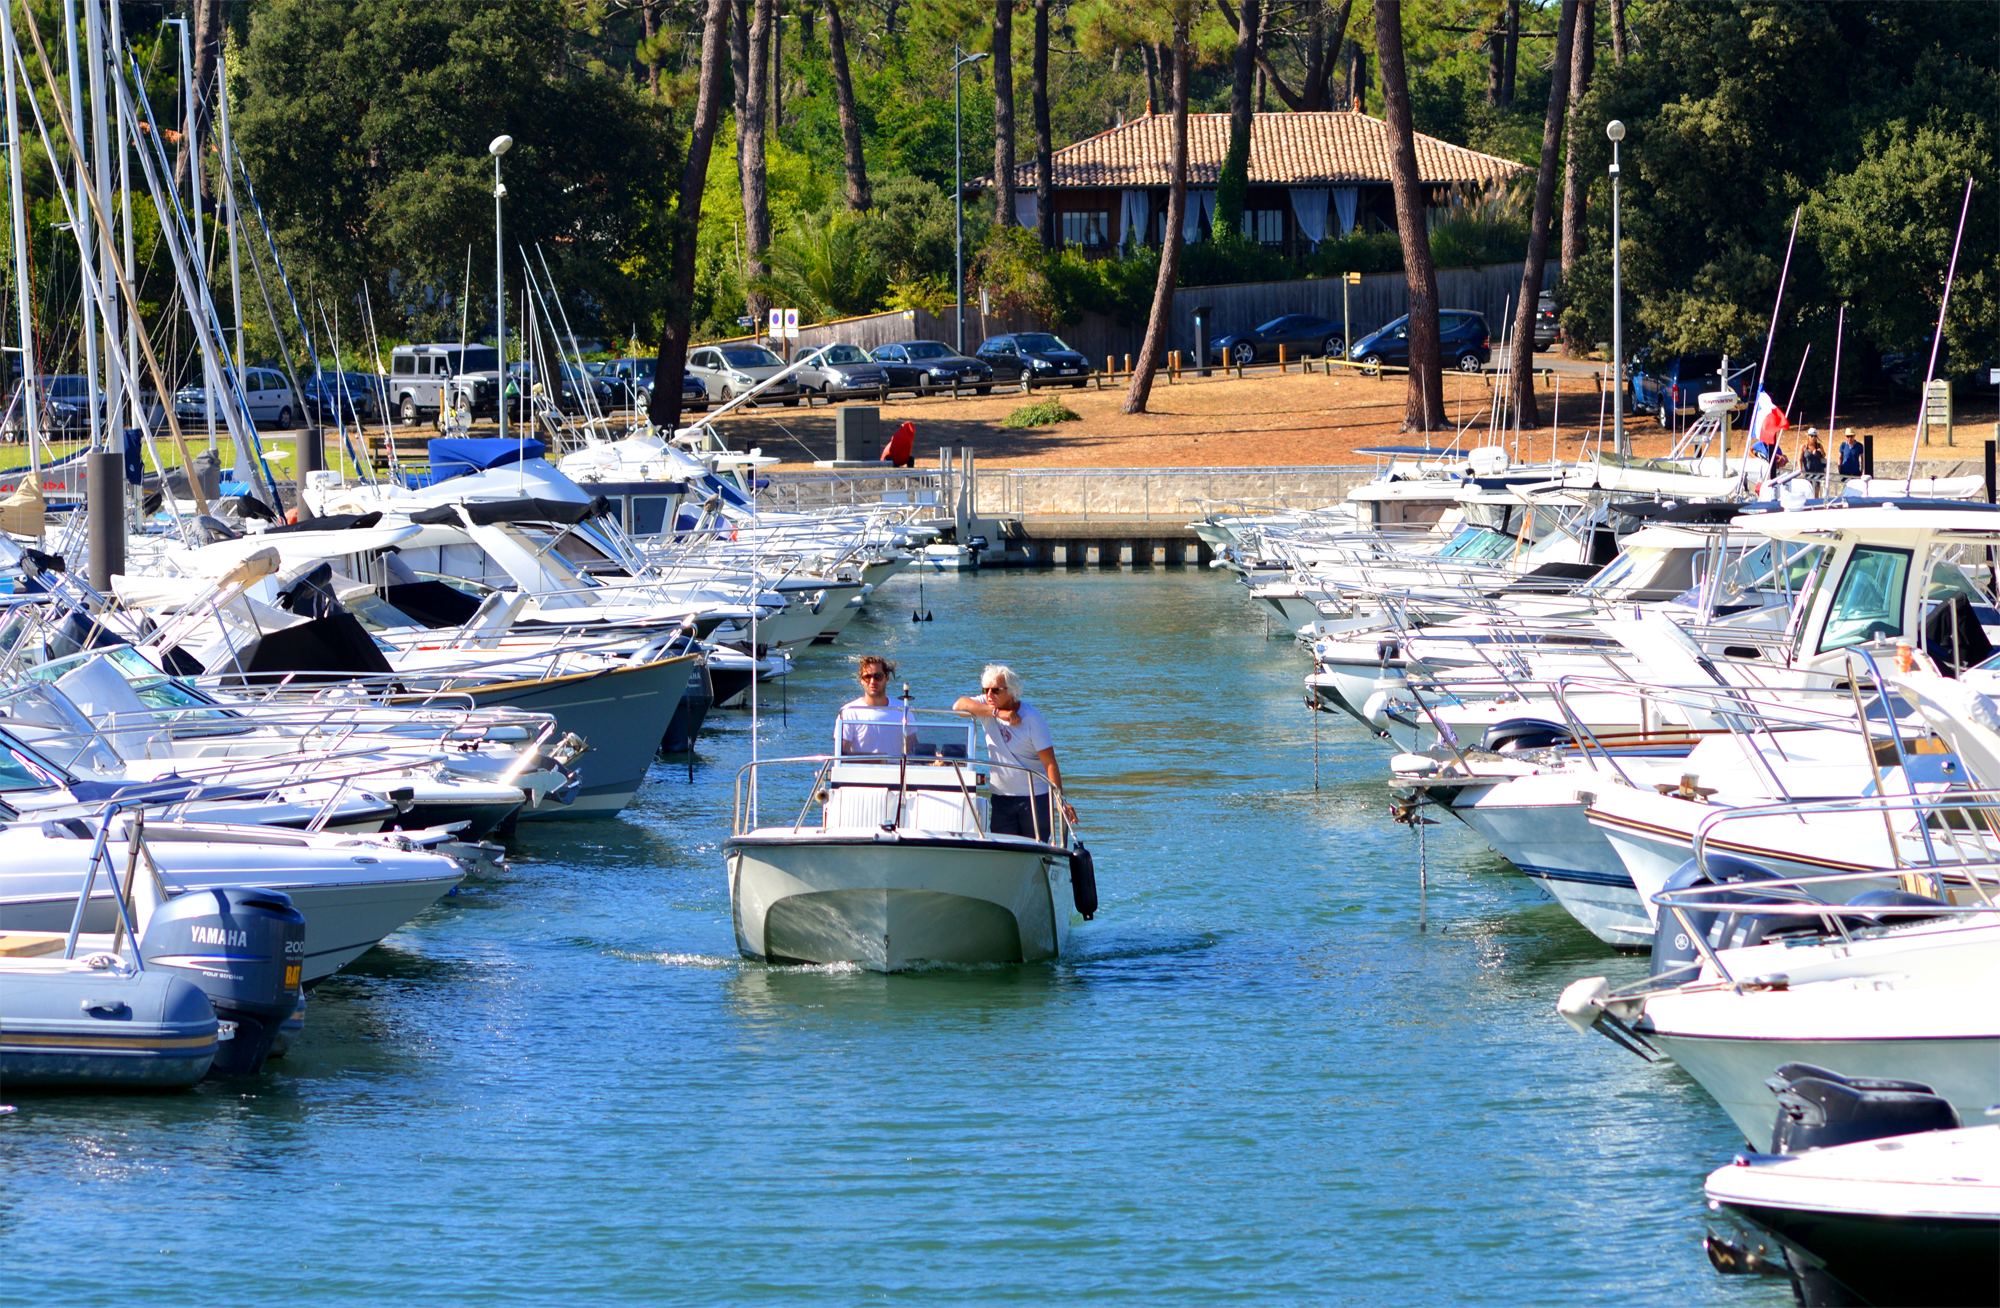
(1046, 414)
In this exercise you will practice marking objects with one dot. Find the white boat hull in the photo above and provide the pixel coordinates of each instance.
(1556, 845)
(887, 901)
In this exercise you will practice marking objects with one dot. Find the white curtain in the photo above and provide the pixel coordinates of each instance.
(1135, 212)
(1309, 203)
(1025, 212)
(1200, 205)
(1343, 207)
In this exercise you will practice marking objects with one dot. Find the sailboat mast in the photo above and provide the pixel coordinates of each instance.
(100, 152)
(228, 196)
(138, 417)
(24, 293)
(86, 238)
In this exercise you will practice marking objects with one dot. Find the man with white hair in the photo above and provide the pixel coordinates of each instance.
(1016, 734)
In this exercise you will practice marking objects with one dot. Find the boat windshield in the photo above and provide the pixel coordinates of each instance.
(1869, 604)
(1477, 544)
(885, 733)
(1766, 569)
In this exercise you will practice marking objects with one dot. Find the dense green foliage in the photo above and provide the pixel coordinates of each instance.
(364, 124)
(1868, 115)
(1047, 413)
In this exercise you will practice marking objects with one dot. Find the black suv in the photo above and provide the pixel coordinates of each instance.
(1034, 359)
(1462, 339)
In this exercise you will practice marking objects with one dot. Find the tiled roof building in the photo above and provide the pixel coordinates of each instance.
(1312, 176)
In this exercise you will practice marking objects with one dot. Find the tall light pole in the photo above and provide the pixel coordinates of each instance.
(500, 146)
(1616, 131)
(958, 184)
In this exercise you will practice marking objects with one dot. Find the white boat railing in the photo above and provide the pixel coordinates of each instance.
(966, 774)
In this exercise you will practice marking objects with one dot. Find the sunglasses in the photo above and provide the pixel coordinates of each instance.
(992, 690)
(874, 676)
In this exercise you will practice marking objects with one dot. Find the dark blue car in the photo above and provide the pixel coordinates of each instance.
(1462, 340)
(1670, 384)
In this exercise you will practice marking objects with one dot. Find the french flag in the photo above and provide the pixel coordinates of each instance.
(1767, 421)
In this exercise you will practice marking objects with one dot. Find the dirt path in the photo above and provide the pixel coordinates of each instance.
(1263, 420)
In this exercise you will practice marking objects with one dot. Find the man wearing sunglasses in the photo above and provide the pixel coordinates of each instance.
(869, 725)
(1016, 734)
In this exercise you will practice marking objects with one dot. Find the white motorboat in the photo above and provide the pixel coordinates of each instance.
(901, 869)
(1908, 1219)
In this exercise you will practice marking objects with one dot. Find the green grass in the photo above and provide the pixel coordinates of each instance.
(1046, 414)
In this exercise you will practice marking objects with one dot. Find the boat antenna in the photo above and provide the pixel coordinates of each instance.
(903, 769)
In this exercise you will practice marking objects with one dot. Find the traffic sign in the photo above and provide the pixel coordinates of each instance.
(777, 322)
(791, 324)
(746, 321)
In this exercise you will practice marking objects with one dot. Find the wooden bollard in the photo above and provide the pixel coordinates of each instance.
(1173, 365)
(1109, 369)
(1281, 358)
(1128, 365)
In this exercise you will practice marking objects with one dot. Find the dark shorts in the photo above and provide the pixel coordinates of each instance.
(1017, 815)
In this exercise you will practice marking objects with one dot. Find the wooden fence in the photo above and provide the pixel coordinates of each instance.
(1491, 290)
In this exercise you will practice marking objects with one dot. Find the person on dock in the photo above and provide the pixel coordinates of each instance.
(1812, 459)
(1017, 734)
(870, 726)
(1851, 453)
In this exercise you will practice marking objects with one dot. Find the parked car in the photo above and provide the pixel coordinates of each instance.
(1670, 384)
(265, 392)
(1300, 333)
(838, 370)
(729, 370)
(422, 378)
(571, 383)
(694, 395)
(1034, 358)
(925, 366)
(355, 396)
(1546, 324)
(1462, 341)
(631, 381)
(66, 403)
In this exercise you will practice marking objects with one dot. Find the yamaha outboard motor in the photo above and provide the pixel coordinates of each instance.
(246, 949)
(1519, 735)
(1674, 949)
(1818, 1109)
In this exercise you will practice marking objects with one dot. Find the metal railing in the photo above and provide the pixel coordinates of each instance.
(967, 773)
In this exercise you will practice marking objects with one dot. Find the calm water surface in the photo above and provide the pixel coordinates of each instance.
(1256, 1080)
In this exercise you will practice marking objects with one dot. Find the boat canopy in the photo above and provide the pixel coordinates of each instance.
(487, 513)
(457, 456)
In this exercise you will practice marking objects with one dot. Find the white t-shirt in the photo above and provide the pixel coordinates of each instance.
(870, 729)
(1020, 745)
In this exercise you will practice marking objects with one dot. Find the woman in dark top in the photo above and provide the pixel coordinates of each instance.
(1812, 459)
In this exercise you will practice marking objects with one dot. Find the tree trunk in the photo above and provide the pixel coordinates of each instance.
(648, 15)
(1496, 64)
(739, 68)
(1045, 200)
(1232, 188)
(1513, 51)
(750, 163)
(1357, 77)
(1315, 59)
(1576, 187)
(665, 408)
(777, 64)
(1261, 87)
(1152, 76)
(1618, 31)
(1003, 114)
(1160, 323)
(858, 195)
(1425, 411)
(208, 25)
(1521, 381)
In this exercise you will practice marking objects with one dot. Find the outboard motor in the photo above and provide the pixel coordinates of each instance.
(246, 949)
(1818, 1109)
(1673, 949)
(1518, 735)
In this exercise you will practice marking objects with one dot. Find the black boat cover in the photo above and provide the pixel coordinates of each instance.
(486, 513)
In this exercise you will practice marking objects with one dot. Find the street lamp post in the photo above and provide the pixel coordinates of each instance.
(499, 146)
(958, 184)
(1616, 131)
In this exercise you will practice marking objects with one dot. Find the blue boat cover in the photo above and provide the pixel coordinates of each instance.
(459, 456)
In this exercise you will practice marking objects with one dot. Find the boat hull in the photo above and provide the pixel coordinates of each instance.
(1965, 1070)
(1556, 845)
(887, 901)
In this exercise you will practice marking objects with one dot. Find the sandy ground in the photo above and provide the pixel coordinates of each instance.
(1263, 420)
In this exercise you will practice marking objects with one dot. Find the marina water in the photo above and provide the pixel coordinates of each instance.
(1268, 1073)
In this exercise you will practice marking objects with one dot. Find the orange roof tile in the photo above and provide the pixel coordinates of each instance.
(1286, 149)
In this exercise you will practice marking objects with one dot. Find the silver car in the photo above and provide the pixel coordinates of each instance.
(730, 370)
(838, 370)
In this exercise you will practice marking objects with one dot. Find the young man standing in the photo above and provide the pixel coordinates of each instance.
(870, 726)
(1016, 734)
